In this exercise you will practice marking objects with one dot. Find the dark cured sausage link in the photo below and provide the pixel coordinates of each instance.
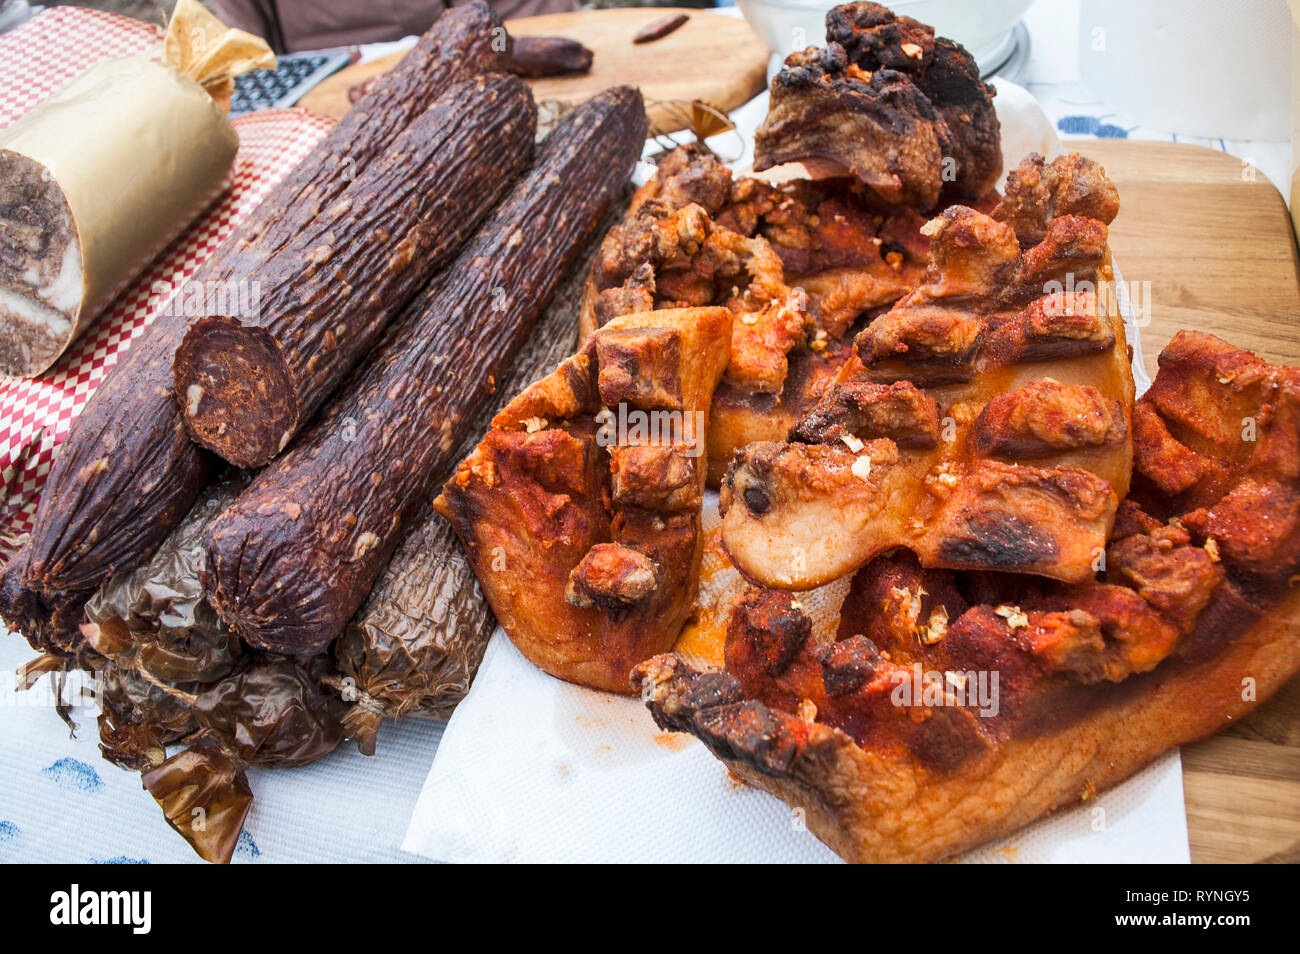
(548, 56)
(416, 643)
(464, 42)
(125, 475)
(658, 29)
(128, 472)
(49, 621)
(292, 559)
(246, 385)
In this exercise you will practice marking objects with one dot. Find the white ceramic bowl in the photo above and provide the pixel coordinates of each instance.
(983, 28)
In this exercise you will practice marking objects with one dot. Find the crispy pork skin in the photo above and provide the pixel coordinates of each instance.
(900, 411)
(797, 516)
(1046, 417)
(580, 509)
(1219, 447)
(799, 264)
(1037, 191)
(677, 257)
(978, 429)
(887, 805)
(971, 293)
(1191, 620)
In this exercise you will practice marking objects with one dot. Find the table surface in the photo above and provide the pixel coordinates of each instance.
(1220, 254)
(714, 58)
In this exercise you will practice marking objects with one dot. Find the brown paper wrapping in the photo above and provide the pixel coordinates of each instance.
(204, 48)
(99, 178)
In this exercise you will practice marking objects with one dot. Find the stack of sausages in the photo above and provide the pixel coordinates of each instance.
(400, 267)
(128, 472)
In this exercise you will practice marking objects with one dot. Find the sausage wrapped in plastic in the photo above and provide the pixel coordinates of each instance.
(139, 717)
(272, 712)
(175, 675)
(156, 614)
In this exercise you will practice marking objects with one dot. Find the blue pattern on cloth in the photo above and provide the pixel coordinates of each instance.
(74, 775)
(1089, 126)
(1107, 131)
(246, 848)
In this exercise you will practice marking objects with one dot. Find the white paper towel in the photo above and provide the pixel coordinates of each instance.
(1025, 127)
(532, 769)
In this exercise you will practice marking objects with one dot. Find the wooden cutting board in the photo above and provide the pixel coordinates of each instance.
(715, 58)
(1215, 241)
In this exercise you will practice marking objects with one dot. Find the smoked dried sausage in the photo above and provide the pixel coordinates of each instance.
(535, 56)
(246, 384)
(416, 643)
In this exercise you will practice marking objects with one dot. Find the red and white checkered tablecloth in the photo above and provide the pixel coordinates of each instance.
(35, 60)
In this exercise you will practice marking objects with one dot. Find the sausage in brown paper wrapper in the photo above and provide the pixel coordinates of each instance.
(99, 178)
(95, 182)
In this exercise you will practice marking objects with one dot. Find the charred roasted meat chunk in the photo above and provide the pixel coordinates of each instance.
(580, 509)
(961, 428)
(951, 707)
(877, 125)
(1072, 686)
(875, 39)
(1038, 191)
(662, 236)
(689, 175)
(901, 109)
(849, 253)
(613, 578)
